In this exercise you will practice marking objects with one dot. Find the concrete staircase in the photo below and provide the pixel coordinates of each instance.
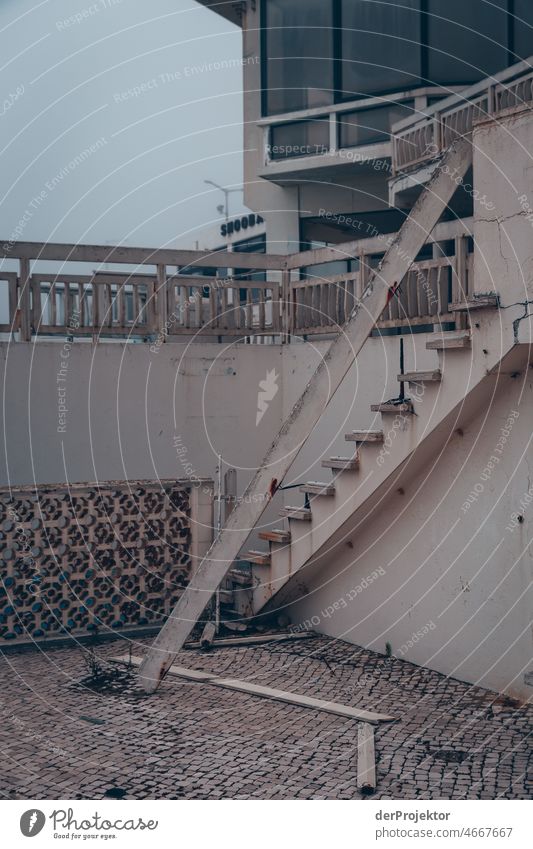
(413, 430)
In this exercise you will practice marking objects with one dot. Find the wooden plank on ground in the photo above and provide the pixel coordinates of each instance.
(358, 714)
(366, 757)
(301, 701)
(253, 640)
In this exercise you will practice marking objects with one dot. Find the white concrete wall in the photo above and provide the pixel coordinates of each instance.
(444, 571)
(127, 405)
(453, 571)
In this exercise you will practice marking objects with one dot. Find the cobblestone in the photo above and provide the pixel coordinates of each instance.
(66, 739)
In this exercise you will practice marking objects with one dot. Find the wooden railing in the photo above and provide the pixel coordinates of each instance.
(417, 141)
(321, 305)
(151, 300)
(222, 306)
(164, 303)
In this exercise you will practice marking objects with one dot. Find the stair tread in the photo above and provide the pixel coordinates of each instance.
(455, 340)
(364, 436)
(318, 488)
(244, 579)
(434, 376)
(303, 513)
(225, 596)
(490, 301)
(405, 407)
(260, 558)
(341, 463)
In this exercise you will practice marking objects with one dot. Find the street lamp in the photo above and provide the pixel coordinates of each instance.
(227, 193)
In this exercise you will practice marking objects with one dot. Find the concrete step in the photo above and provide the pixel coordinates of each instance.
(405, 407)
(301, 513)
(341, 464)
(363, 436)
(318, 488)
(481, 302)
(260, 558)
(458, 341)
(235, 626)
(421, 377)
(226, 597)
(276, 535)
(240, 578)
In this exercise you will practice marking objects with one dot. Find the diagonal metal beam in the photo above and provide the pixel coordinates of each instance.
(306, 413)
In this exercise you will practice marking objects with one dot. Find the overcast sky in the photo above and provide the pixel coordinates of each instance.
(110, 120)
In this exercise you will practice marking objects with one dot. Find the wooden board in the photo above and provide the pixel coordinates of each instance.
(366, 757)
(367, 716)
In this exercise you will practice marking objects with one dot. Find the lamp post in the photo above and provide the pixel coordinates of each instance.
(227, 193)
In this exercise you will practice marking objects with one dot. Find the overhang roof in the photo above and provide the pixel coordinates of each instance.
(229, 9)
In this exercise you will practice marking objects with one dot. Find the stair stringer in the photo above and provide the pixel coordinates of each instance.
(467, 377)
(430, 452)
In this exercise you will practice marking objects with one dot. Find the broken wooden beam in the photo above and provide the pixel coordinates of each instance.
(366, 758)
(359, 714)
(208, 635)
(252, 640)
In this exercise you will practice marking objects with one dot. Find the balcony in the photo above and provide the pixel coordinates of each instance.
(155, 297)
(417, 143)
(328, 141)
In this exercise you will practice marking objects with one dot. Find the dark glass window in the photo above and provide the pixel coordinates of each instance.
(367, 126)
(380, 46)
(299, 54)
(257, 244)
(466, 40)
(323, 269)
(316, 52)
(523, 28)
(299, 138)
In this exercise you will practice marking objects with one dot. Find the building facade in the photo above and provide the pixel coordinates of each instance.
(420, 545)
(333, 77)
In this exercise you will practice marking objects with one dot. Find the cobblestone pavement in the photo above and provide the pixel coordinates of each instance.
(66, 739)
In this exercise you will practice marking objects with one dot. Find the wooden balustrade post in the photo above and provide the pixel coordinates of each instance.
(491, 99)
(460, 284)
(161, 299)
(460, 269)
(363, 274)
(24, 301)
(437, 132)
(286, 307)
(230, 492)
